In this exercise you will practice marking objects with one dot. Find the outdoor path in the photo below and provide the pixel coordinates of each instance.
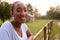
(57, 37)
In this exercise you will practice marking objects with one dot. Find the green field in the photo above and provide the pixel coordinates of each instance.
(38, 24)
(55, 29)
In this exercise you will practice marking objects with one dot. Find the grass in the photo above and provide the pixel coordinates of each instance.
(55, 29)
(0, 22)
(36, 25)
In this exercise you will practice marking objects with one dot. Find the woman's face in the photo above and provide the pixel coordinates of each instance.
(20, 12)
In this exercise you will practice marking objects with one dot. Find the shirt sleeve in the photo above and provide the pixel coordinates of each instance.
(3, 35)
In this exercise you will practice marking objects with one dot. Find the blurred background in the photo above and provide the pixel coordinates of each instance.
(43, 17)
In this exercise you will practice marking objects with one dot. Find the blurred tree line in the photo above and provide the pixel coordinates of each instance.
(53, 13)
(5, 12)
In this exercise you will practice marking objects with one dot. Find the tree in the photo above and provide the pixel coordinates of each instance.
(36, 12)
(30, 17)
(29, 8)
(4, 11)
(53, 13)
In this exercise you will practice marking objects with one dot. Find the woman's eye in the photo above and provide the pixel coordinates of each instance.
(25, 10)
(18, 10)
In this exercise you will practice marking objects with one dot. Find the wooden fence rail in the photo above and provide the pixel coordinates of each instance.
(47, 30)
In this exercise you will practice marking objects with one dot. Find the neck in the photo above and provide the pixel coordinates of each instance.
(16, 24)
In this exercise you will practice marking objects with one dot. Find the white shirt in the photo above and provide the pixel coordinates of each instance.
(7, 32)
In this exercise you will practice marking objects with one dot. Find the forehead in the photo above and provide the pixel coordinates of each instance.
(20, 4)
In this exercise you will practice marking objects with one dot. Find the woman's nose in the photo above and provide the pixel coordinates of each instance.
(23, 13)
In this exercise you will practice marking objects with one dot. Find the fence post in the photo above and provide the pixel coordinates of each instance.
(51, 24)
(48, 30)
(44, 33)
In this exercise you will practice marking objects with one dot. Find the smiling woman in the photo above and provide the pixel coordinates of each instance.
(16, 29)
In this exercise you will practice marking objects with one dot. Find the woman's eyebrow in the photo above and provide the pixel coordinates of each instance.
(19, 8)
(25, 7)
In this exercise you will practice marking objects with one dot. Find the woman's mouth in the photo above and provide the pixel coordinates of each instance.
(22, 18)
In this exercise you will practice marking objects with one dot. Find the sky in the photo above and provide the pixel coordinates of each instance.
(41, 5)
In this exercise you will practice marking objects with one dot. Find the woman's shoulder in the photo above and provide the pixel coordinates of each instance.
(5, 23)
(24, 26)
(6, 26)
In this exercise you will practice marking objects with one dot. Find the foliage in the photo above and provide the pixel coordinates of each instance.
(29, 8)
(0, 22)
(36, 14)
(33, 11)
(4, 11)
(53, 13)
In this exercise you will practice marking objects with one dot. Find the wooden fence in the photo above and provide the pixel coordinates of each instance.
(47, 30)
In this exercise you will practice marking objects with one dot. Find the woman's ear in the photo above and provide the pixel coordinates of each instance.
(11, 13)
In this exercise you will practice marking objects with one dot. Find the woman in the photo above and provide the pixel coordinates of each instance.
(16, 29)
